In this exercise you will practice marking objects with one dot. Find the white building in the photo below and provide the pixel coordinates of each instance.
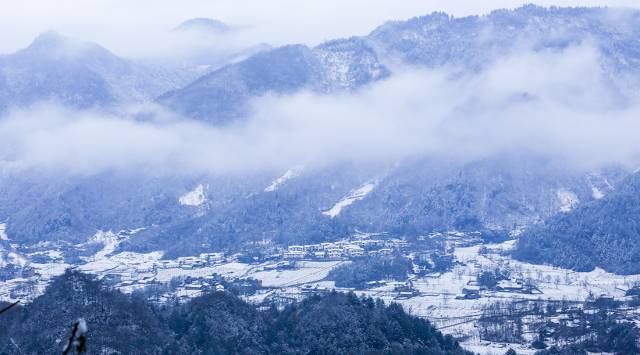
(296, 248)
(354, 250)
(334, 253)
(313, 247)
(294, 254)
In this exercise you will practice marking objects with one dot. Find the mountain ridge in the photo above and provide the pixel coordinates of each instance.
(429, 41)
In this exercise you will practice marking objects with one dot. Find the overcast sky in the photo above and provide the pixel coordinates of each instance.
(134, 28)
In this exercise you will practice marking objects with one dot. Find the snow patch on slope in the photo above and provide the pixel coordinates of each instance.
(596, 193)
(193, 198)
(353, 196)
(600, 185)
(8, 255)
(3, 232)
(110, 241)
(290, 174)
(568, 200)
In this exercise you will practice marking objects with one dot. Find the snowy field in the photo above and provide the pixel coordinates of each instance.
(306, 272)
(437, 300)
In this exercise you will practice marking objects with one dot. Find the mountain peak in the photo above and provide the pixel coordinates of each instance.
(52, 44)
(203, 24)
(49, 39)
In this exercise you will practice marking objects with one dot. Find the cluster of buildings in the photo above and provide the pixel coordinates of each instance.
(344, 249)
(208, 282)
(472, 289)
(141, 274)
(192, 262)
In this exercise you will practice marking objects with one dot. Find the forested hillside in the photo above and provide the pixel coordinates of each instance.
(603, 233)
(216, 323)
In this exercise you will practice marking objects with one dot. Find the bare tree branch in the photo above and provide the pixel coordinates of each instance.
(9, 307)
(77, 339)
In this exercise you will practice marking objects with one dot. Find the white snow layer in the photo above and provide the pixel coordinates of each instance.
(568, 200)
(110, 242)
(353, 196)
(11, 258)
(3, 232)
(290, 174)
(193, 198)
(600, 185)
(596, 193)
(7, 254)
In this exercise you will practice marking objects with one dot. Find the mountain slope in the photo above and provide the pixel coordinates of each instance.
(79, 75)
(116, 322)
(410, 199)
(223, 95)
(472, 42)
(438, 40)
(223, 92)
(216, 323)
(604, 233)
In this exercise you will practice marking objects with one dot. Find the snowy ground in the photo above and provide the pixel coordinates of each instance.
(229, 270)
(307, 272)
(437, 301)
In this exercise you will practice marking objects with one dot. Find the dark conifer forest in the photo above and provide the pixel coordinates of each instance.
(216, 323)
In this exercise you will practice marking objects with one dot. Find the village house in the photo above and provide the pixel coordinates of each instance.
(296, 248)
(294, 254)
(354, 250)
(334, 253)
(326, 246)
(510, 286)
(193, 286)
(471, 292)
(313, 247)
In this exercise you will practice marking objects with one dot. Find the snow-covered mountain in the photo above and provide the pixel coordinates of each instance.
(203, 24)
(437, 40)
(185, 214)
(84, 75)
(223, 95)
(601, 233)
(79, 75)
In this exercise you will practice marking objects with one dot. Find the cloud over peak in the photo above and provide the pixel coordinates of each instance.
(557, 103)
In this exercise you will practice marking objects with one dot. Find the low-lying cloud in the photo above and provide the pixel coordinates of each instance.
(556, 103)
